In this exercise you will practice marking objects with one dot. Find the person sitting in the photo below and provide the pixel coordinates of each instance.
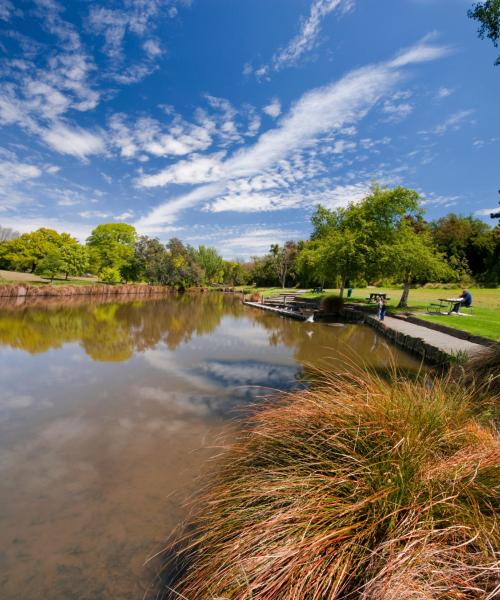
(466, 300)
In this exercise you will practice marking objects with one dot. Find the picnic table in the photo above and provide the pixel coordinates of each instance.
(444, 303)
(374, 296)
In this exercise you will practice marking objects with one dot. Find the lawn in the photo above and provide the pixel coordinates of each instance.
(18, 277)
(484, 321)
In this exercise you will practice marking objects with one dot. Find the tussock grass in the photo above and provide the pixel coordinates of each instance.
(356, 488)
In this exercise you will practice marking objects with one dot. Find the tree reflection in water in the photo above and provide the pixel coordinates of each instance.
(113, 331)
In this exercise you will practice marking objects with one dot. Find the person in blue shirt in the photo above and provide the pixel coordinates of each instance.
(466, 301)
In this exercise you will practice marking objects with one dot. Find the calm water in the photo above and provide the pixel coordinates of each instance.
(108, 412)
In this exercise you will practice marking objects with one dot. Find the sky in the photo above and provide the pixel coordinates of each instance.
(226, 122)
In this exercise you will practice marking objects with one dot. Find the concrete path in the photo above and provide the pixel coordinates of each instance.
(442, 341)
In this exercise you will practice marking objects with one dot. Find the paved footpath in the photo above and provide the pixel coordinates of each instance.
(444, 342)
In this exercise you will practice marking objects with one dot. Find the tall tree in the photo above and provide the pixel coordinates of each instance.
(412, 258)
(111, 245)
(284, 258)
(212, 264)
(488, 15)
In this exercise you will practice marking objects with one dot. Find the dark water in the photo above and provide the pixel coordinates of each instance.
(108, 412)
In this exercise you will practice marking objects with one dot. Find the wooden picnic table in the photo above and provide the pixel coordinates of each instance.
(374, 296)
(451, 302)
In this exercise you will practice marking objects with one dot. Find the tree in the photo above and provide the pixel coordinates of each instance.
(148, 261)
(234, 273)
(50, 265)
(488, 15)
(284, 258)
(25, 252)
(111, 245)
(181, 267)
(468, 243)
(413, 258)
(74, 258)
(212, 264)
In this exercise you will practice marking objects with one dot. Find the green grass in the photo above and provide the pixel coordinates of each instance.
(484, 320)
(356, 488)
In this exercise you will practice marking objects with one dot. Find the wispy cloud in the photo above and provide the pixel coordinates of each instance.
(325, 110)
(273, 109)
(305, 40)
(452, 123)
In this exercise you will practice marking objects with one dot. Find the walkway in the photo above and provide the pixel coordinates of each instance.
(443, 342)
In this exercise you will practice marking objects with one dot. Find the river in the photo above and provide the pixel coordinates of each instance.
(109, 412)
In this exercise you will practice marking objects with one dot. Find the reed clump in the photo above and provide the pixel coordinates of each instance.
(356, 488)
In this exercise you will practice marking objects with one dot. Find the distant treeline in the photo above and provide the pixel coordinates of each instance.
(384, 238)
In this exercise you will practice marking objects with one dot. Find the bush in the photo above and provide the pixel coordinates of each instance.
(359, 488)
(256, 297)
(332, 304)
(110, 275)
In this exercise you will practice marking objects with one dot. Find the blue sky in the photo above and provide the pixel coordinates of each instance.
(226, 122)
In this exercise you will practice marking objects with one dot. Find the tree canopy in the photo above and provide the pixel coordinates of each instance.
(488, 15)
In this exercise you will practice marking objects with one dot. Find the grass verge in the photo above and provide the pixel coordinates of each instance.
(357, 488)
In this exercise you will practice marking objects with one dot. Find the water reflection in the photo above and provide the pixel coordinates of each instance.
(113, 331)
(108, 411)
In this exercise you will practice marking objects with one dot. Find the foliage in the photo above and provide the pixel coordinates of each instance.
(110, 275)
(357, 488)
(469, 244)
(111, 245)
(50, 265)
(488, 15)
(283, 258)
(212, 264)
(332, 304)
(234, 273)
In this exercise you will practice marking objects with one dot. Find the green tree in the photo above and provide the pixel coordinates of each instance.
(234, 273)
(74, 258)
(284, 259)
(51, 265)
(25, 252)
(468, 244)
(212, 264)
(488, 15)
(110, 275)
(413, 258)
(111, 245)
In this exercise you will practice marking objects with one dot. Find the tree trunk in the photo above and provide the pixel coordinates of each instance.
(403, 301)
(66, 277)
(342, 286)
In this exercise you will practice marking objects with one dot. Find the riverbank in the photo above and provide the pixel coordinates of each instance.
(20, 292)
(359, 487)
(435, 347)
(484, 320)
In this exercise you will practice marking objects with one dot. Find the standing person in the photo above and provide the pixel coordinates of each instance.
(381, 308)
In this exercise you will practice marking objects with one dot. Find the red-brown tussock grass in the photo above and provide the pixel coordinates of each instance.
(356, 488)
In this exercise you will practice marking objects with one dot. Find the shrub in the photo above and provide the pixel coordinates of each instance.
(358, 488)
(256, 297)
(110, 275)
(332, 304)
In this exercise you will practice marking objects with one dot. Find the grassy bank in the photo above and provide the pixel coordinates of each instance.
(358, 488)
(484, 320)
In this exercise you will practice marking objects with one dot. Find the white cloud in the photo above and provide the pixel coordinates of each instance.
(397, 112)
(152, 48)
(321, 111)
(93, 214)
(443, 92)
(254, 202)
(273, 109)
(72, 140)
(453, 122)
(12, 173)
(306, 38)
(486, 212)
(7, 10)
